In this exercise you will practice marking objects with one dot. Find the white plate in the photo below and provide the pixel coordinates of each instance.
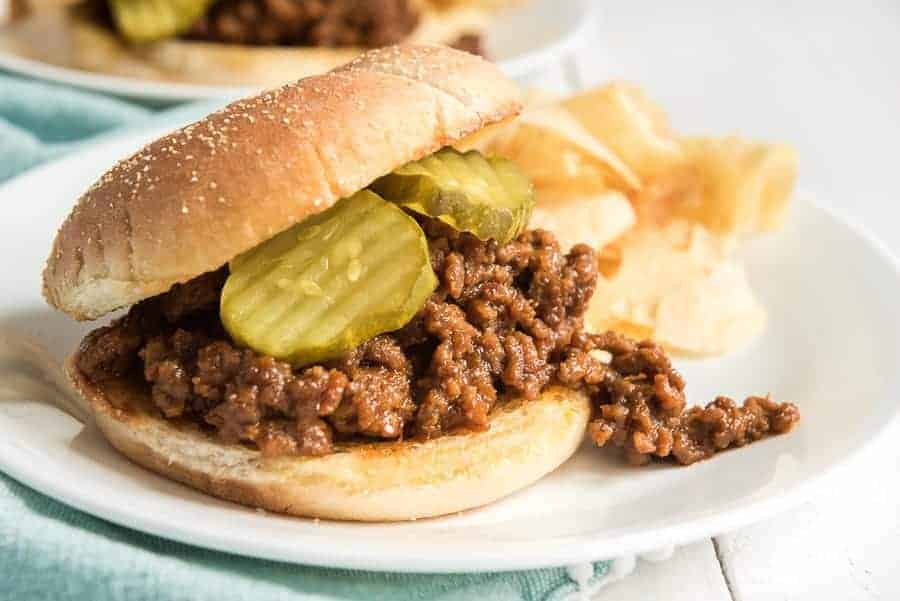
(833, 344)
(525, 42)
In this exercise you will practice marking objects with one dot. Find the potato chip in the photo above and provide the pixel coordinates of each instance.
(558, 155)
(596, 221)
(667, 195)
(710, 315)
(624, 119)
(555, 120)
(746, 185)
(677, 285)
(665, 213)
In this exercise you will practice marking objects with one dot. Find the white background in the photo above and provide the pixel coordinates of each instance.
(824, 76)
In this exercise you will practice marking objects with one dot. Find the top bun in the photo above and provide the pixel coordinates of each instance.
(194, 199)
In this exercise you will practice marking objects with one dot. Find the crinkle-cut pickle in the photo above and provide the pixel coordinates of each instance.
(142, 21)
(486, 196)
(328, 284)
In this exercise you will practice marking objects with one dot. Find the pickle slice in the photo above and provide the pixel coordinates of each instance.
(328, 284)
(142, 21)
(486, 196)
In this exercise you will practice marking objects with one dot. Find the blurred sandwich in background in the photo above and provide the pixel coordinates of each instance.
(234, 42)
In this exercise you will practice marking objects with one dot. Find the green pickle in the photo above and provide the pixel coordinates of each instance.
(486, 196)
(142, 21)
(328, 284)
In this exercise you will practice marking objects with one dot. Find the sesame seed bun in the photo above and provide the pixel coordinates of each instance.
(189, 202)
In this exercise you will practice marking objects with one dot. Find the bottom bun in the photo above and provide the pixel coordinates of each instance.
(387, 481)
(69, 38)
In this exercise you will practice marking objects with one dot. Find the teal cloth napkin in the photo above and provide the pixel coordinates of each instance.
(49, 551)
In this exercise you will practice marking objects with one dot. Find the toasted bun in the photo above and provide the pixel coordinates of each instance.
(386, 481)
(191, 201)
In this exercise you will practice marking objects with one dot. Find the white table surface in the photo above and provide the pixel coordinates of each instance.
(824, 76)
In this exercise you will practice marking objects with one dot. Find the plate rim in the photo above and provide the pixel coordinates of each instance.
(556, 551)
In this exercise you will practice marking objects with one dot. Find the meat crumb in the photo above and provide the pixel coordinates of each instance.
(639, 405)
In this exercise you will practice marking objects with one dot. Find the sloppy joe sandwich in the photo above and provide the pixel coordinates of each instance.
(331, 312)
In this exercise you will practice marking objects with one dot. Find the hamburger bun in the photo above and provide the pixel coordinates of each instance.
(77, 40)
(188, 203)
(383, 481)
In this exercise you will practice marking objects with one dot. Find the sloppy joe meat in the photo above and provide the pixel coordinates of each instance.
(324, 23)
(506, 320)
(310, 23)
(331, 23)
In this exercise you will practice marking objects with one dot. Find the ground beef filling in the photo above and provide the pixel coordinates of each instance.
(331, 23)
(309, 23)
(334, 24)
(639, 404)
(506, 320)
